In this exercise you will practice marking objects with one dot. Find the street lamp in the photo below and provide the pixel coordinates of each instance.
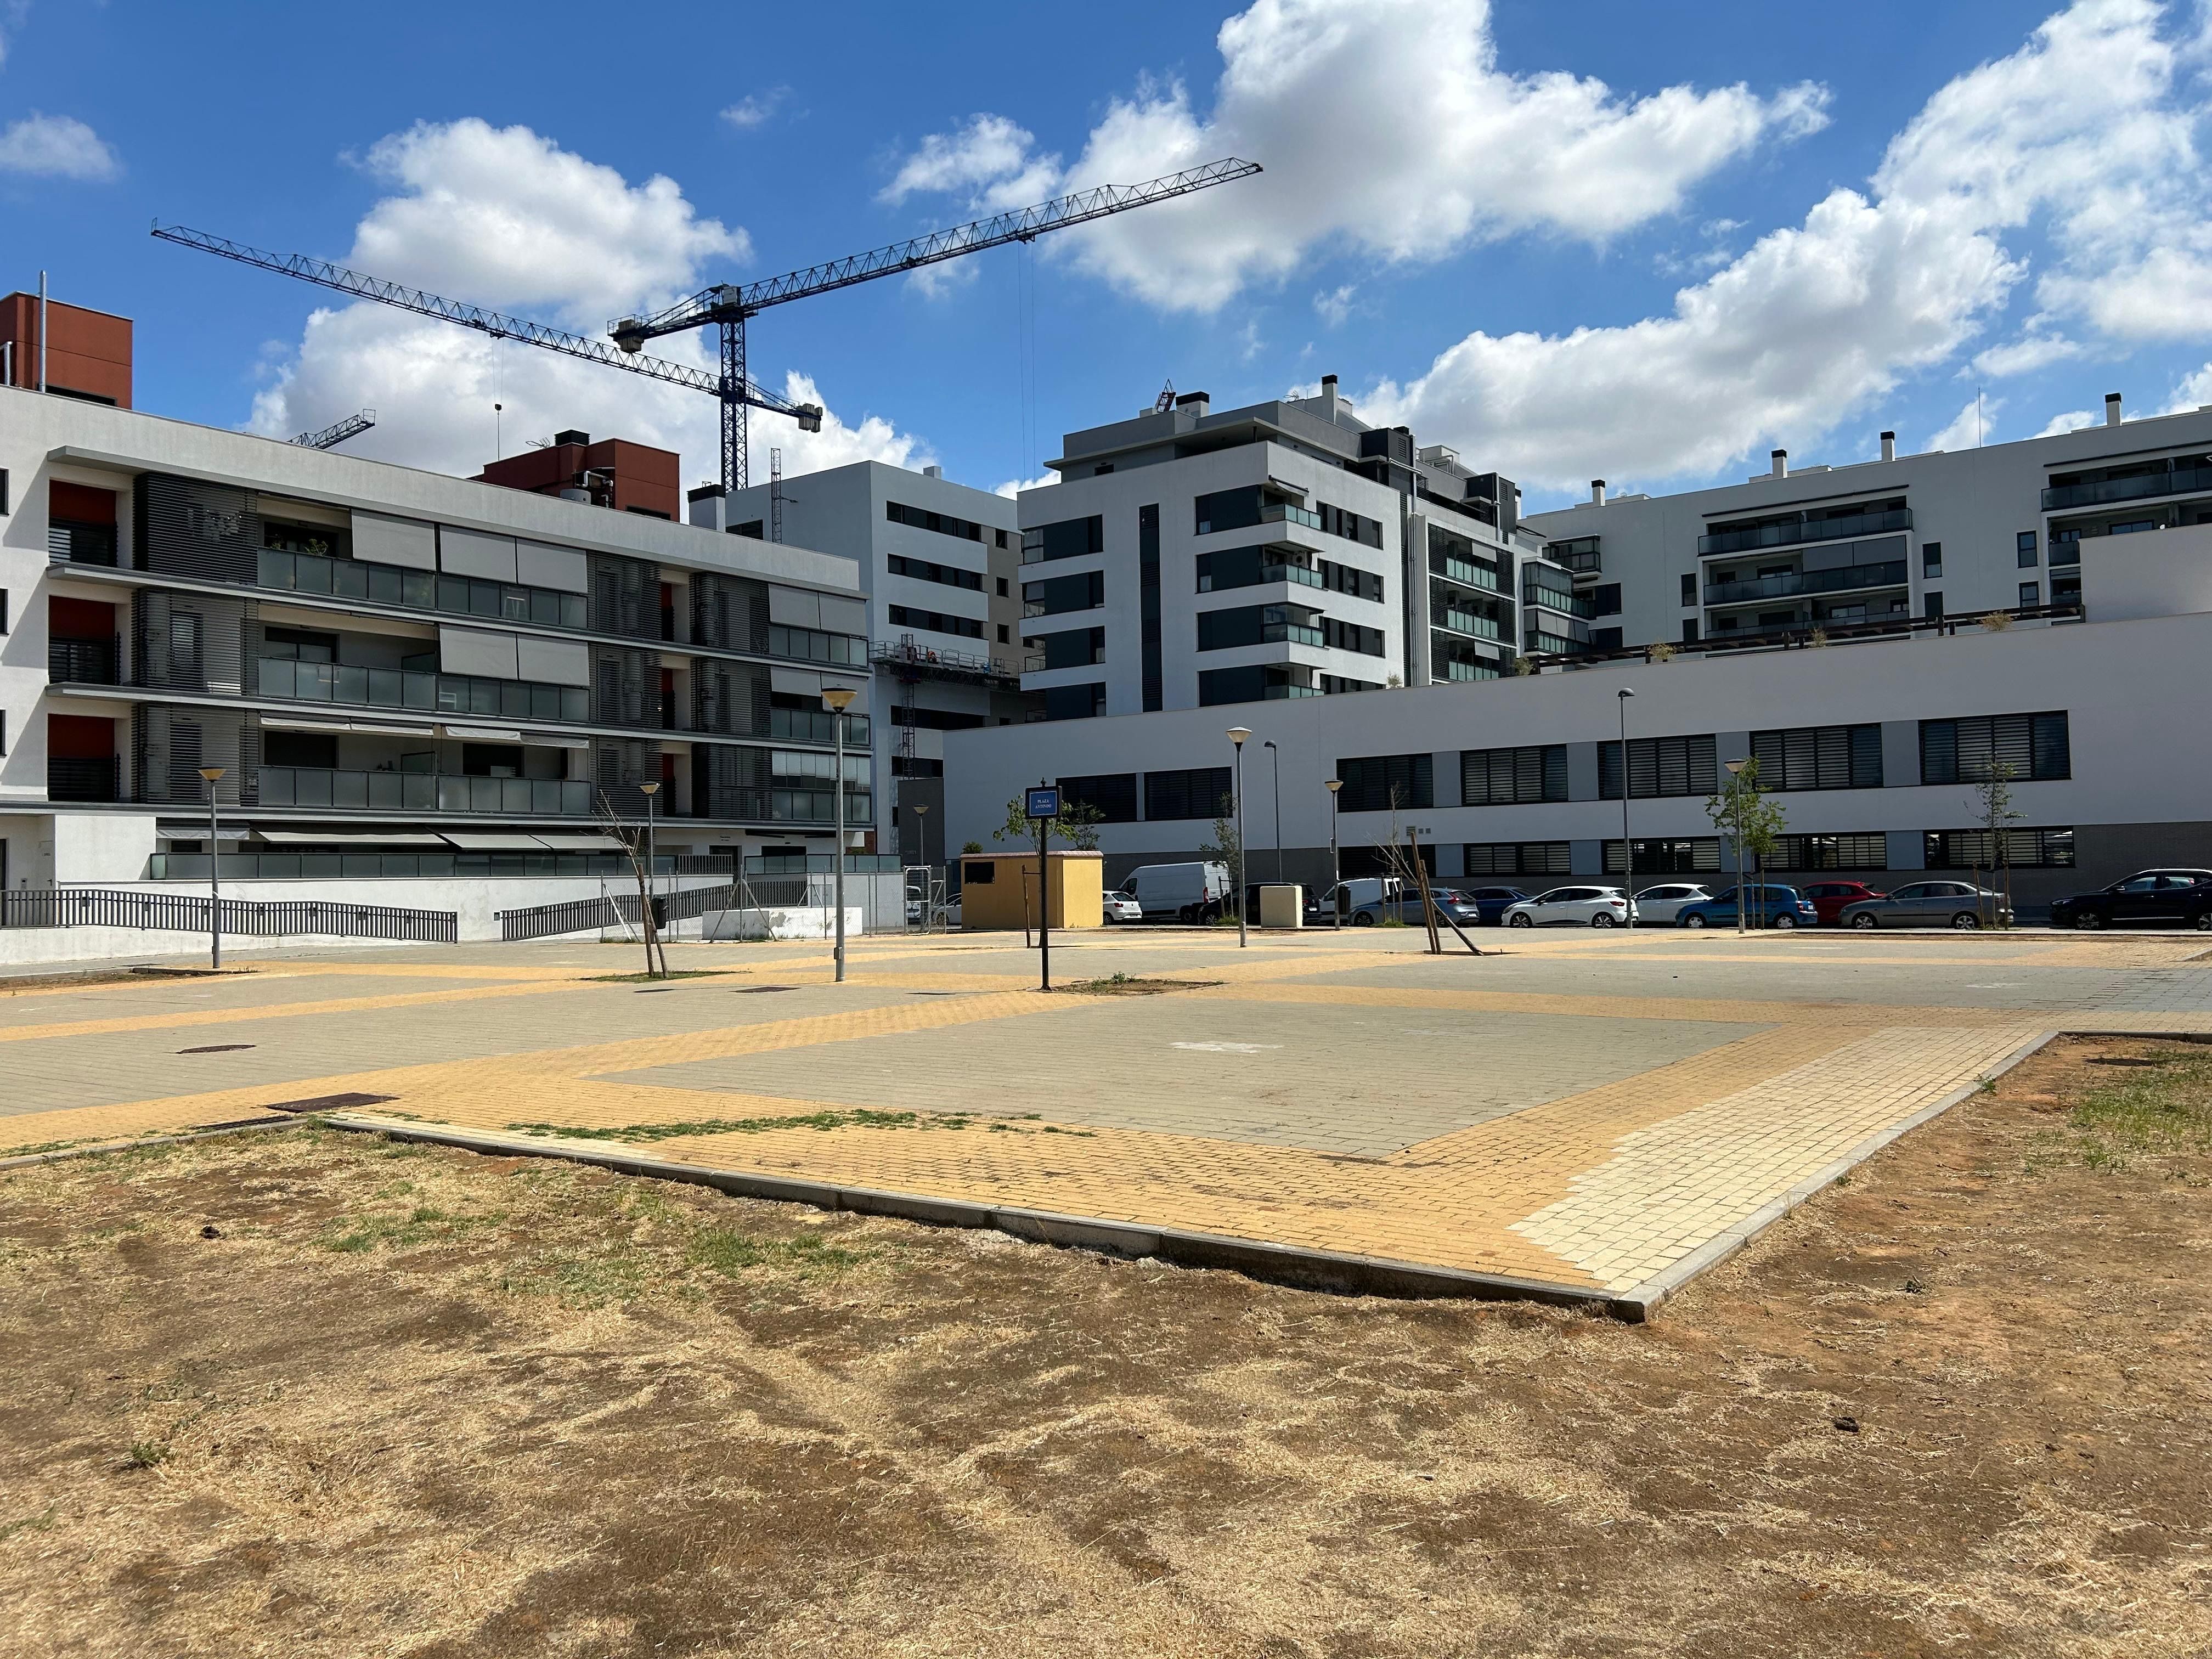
(1335, 876)
(1278, 754)
(1236, 736)
(214, 775)
(652, 878)
(1627, 847)
(1735, 770)
(921, 829)
(837, 699)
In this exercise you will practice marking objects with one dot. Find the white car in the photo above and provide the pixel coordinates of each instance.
(1123, 906)
(1658, 906)
(1593, 906)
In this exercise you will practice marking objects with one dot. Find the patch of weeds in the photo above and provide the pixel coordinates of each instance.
(423, 1224)
(578, 1280)
(41, 1523)
(1124, 985)
(730, 1253)
(2164, 1108)
(655, 979)
(149, 1454)
(861, 1117)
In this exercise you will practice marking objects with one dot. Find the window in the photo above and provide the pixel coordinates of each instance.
(3, 491)
(298, 645)
(1003, 632)
(1203, 792)
(2031, 594)
(1113, 793)
(1348, 579)
(1075, 702)
(2022, 849)
(1073, 647)
(1001, 579)
(979, 874)
(906, 766)
(945, 524)
(309, 749)
(2035, 746)
(1605, 639)
(1869, 851)
(1820, 757)
(1226, 509)
(1931, 606)
(1255, 682)
(1931, 560)
(1689, 630)
(1377, 783)
(1341, 521)
(1336, 685)
(1071, 538)
(1149, 648)
(2025, 542)
(3, 610)
(1351, 637)
(811, 645)
(1604, 599)
(1692, 855)
(1689, 588)
(1659, 766)
(1499, 777)
(929, 570)
(1518, 858)
(938, 622)
(1056, 595)
(756, 528)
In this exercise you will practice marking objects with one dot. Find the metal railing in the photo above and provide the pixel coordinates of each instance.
(86, 662)
(186, 912)
(1799, 636)
(422, 791)
(2177, 481)
(615, 909)
(386, 866)
(1889, 574)
(1806, 529)
(81, 778)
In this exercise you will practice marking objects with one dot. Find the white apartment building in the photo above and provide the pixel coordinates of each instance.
(939, 563)
(1189, 559)
(402, 674)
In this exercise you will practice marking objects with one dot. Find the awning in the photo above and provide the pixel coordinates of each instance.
(470, 842)
(382, 837)
(581, 843)
(199, 832)
(485, 733)
(293, 723)
(547, 740)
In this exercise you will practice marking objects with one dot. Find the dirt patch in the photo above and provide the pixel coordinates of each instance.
(411, 1400)
(1124, 985)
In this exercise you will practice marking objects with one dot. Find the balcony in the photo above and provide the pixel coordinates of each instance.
(1276, 693)
(401, 687)
(1466, 572)
(80, 778)
(812, 726)
(1545, 644)
(1579, 555)
(423, 791)
(2177, 481)
(1284, 633)
(81, 662)
(420, 590)
(1291, 573)
(1805, 530)
(799, 804)
(1467, 622)
(1890, 573)
(1560, 600)
(1287, 513)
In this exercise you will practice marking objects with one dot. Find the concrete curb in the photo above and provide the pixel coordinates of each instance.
(1649, 1295)
(29, 1159)
(1289, 1264)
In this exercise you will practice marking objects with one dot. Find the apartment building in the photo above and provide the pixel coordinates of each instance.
(1903, 541)
(399, 673)
(2045, 605)
(1287, 550)
(940, 568)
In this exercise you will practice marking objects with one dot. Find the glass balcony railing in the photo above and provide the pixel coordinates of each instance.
(401, 687)
(325, 866)
(1562, 600)
(1808, 530)
(421, 590)
(1291, 634)
(2179, 481)
(1287, 572)
(797, 804)
(1542, 643)
(1467, 622)
(1275, 693)
(1468, 572)
(812, 726)
(422, 791)
(1287, 513)
(1889, 574)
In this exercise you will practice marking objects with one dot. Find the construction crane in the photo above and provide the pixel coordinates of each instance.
(727, 306)
(336, 434)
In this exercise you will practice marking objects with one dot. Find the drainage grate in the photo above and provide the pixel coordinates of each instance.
(328, 1103)
(217, 1048)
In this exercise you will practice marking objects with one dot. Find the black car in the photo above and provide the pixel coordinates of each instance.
(2147, 898)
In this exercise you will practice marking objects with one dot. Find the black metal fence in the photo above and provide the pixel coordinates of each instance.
(609, 910)
(186, 912)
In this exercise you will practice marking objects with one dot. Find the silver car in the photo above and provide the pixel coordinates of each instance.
(1593, 906)
(1657, 906)
(1958, 904)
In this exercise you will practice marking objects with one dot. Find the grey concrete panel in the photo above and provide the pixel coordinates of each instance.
(554, 662)
(476, 651)
(563, 567)
(792, 607)
(381, 539)
(472, 553)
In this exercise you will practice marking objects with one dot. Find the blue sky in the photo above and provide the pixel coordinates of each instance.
(1613, 239)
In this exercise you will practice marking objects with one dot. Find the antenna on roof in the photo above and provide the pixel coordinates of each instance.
(1165, 401)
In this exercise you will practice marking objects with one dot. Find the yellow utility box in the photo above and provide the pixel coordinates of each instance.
(1282, 905)
(999, 890)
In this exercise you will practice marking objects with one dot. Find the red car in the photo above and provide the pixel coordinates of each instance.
(1829, 898)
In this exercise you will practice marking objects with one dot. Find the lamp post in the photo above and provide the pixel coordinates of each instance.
(1278, 755)
(1335, 876)
(1627, 847)
(837, 699)
(1734, 770)
(652, 881)
(214, 775)
(921, 829)
(1236, 736)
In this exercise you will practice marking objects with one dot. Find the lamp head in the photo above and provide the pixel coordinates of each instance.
(1734, 767)
(212, 773)
(648, 789)
(918, 808)
(1625, 691)
(1270, 744)
(837, 698)
(1238, 733)
(1333, 785)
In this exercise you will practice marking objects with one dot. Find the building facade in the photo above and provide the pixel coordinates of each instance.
(1280, 551)
(940, 564)
(399, 672)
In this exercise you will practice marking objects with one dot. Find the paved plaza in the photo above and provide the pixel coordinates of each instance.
(1576, 1113)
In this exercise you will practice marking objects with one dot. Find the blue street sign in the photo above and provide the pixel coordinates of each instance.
(1044, 803)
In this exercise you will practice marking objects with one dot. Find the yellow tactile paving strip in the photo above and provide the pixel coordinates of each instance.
(1607, 1188)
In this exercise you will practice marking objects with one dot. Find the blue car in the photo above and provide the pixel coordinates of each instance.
(1491, 903)
(1769, 907)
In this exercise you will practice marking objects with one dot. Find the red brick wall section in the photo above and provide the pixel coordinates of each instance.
(90, 352)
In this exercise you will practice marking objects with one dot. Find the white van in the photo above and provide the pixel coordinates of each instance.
(1187, 892)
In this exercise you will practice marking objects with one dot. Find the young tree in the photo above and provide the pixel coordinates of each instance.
(1228, 847)
(1747, 815)
(1077, 826)
(1993, 806)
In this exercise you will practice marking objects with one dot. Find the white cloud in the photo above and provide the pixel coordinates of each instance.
(2194, 392)
(2024, 356)
(12, 13)
(1387, 129)
(506, 218)
(1013, 487)
(1970, 427)
(1815, 322)
(2072, 421)
(57, 146)
(1333, 305)
(757, 109)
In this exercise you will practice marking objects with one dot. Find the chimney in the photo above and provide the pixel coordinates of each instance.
(1780, 458)
(1597, 492)
(1196, 402)
(2112, 409)
(932, 470)
(1889, 445)
(710, 507)
(572, 436)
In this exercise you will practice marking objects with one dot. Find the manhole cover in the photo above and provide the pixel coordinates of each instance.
(217, 1048)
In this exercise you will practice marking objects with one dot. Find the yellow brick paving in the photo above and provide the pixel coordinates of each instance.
(1607, 1189)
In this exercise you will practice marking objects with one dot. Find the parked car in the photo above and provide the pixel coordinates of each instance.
(1770, 905)
(1657, 906)
(1593, 907)
(1362, 900)
(2181, 896)
(1958, 904)
(1492, 904)
(1184, 892)
(1829, 898)
(1451, 902)
(1122, 907)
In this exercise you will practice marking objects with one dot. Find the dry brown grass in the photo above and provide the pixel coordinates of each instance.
(414, 1402)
